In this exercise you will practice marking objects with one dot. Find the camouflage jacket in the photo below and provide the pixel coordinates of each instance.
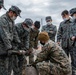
(49, 28)
(23, 35)
(73, 30)
(34, 38)
(8, 33)
(65, 33)
(56, 55)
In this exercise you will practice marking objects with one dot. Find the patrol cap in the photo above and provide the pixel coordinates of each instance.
(43, 36)
(16, 10)
(37, 24)
(28, 22)
(48, 18)
(2, 4)
(72, 11)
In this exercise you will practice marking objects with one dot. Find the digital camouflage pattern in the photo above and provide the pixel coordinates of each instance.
(59, 62)
(33, 38)
(33, 42)
(8, 34)
(24, 38)
(64, 35)
(49, 28)
(73, 49)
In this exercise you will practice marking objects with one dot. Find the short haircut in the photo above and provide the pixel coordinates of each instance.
(65, 12)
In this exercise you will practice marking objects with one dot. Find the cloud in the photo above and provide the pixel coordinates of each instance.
(39, 9)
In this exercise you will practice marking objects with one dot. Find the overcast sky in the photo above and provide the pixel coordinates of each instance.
(39, 9)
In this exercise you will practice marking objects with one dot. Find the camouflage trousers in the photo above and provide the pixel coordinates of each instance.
(3, 65)
(17, 64)
(73, 60)
(13, 65)
(48, 68)
(21, 64)
(43, 70)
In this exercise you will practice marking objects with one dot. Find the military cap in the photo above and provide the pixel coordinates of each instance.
(2, 4)
(48, 18)
(28, 22)
(37, 24)
(16, 10)
(43, 36)
(72, 11)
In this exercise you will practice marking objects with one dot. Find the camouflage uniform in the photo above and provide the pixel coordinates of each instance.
(59, 63)
(33, 42)
(64, 35)
(8, 34)
(24, 37)
(49, 28)
(33, 38)
(73, 50)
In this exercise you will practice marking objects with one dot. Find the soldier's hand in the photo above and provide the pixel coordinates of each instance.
(22, 52)
(73, 38)
(9, 52)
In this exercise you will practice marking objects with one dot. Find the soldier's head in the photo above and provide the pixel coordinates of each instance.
(13, 12)
(65, 15)
(48, 20)
(27, 24)
(73, 13)
(2, 4)
(36, 25)
(43, 37)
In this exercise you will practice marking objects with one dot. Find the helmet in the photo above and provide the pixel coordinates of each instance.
(37, 24)
(28, 22)
(72, 11)
(2, 4)
(16, 10)
(48, 18)
(43, 36)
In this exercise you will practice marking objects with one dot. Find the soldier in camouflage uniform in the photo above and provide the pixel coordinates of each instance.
(73, 38)
(34, 38)
(64, 32)
(2, 4)
(50, 28)
(23, 30)
(59, 63)
(8, 35)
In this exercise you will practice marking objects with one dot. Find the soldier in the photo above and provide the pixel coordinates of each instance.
(34, 38)
(73, 38)
(50, 28)
(2, 4)
(64, 32)
(59, 63)
(8, 35)
(34, 35)
(23, 30)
